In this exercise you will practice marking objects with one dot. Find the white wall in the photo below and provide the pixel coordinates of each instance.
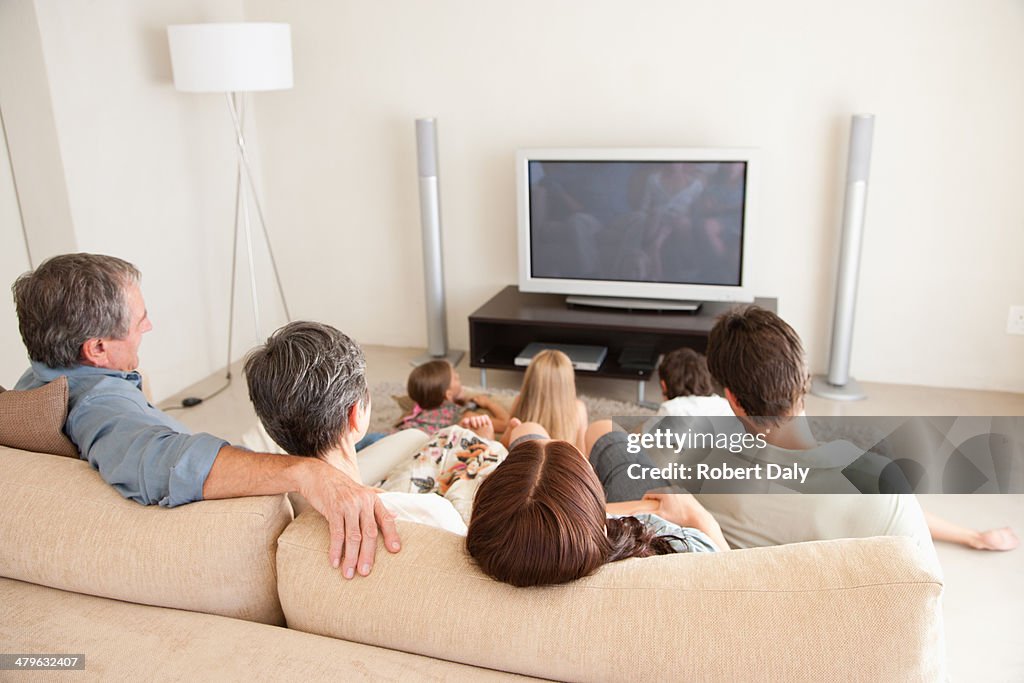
(150, 172)
(32, 135)
(24, 98)
(944, 236)
(13, 262)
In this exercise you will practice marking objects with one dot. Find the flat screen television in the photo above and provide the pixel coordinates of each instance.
(649, 224)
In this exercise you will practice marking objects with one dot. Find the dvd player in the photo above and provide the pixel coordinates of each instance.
(583, 357)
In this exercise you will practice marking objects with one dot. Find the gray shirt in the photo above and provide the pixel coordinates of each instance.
(139, 450)
(778, 513)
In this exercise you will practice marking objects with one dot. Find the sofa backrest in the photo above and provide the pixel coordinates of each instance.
(866, 609)
(62, 526)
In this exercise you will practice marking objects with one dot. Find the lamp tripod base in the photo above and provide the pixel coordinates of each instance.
(851, 391)
(454, 356)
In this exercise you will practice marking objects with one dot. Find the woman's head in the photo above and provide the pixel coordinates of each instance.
(548, 395)
(539, 519)
(433, 383)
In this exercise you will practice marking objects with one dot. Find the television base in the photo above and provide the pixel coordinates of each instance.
(634, 304)
(454, 356)
(641, 386)
(511, 319)
(851, 391)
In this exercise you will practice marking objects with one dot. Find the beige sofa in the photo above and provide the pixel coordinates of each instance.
(204, 591)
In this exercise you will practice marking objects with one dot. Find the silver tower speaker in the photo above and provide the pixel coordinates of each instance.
(433, 260)
(838, 385)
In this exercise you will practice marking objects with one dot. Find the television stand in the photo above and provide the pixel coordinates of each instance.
(501, 328)
(634, 304)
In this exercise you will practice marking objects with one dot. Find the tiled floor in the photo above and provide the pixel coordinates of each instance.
(984, 592)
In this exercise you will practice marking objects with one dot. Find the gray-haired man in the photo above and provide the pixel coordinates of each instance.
(83, 316)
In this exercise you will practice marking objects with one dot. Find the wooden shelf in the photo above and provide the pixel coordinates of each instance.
(502, 327)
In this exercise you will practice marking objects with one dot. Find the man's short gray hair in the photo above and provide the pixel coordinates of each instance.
(70, 299)
(303, 383)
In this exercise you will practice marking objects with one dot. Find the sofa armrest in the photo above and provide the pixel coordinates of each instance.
(62, 526)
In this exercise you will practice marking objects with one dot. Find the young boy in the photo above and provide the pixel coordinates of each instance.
(687, 387)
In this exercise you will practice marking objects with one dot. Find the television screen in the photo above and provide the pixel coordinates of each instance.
(669, 222)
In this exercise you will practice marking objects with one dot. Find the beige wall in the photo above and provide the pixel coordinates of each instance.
(148, 173)
(13, 262)
(941, 260)
(32, 134)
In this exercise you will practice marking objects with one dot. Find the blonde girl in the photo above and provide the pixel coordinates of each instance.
(548, 397)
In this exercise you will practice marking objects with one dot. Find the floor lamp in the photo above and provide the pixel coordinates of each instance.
(234, 59)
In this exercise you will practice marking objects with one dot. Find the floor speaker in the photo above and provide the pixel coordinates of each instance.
(838, 384)
(433, 259)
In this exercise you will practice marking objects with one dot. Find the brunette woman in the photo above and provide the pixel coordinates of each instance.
(541, 518)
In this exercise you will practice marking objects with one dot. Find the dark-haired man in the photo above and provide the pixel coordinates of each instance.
(83, 316)
(759, 361)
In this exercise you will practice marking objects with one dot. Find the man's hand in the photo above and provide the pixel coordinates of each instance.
(354, 513)
(685, 510)
(995, 539)
(678, 508)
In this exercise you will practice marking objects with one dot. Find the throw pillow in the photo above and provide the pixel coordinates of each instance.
(33, 420)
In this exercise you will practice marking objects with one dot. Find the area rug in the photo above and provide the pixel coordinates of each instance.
(386, 411)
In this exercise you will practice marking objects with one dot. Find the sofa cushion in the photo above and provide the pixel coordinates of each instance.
(62, 526)
(123, 641)
(34, 420)
(175, 645)
(811, 611)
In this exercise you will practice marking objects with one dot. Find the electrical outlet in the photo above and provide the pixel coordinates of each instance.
(1015, 322)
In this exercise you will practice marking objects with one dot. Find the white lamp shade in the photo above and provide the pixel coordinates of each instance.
(237, 57)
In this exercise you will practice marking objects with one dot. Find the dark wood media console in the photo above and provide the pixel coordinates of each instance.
(500, 329)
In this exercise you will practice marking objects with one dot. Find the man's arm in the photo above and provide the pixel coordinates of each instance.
(685, 510)
(994, 539)
(632, 507)
(353, 511)
(151, 458)
(140, 451)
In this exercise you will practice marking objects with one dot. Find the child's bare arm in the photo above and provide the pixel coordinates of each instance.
(499, 413)
(506, 436)
(480, 424)
(583, 421)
